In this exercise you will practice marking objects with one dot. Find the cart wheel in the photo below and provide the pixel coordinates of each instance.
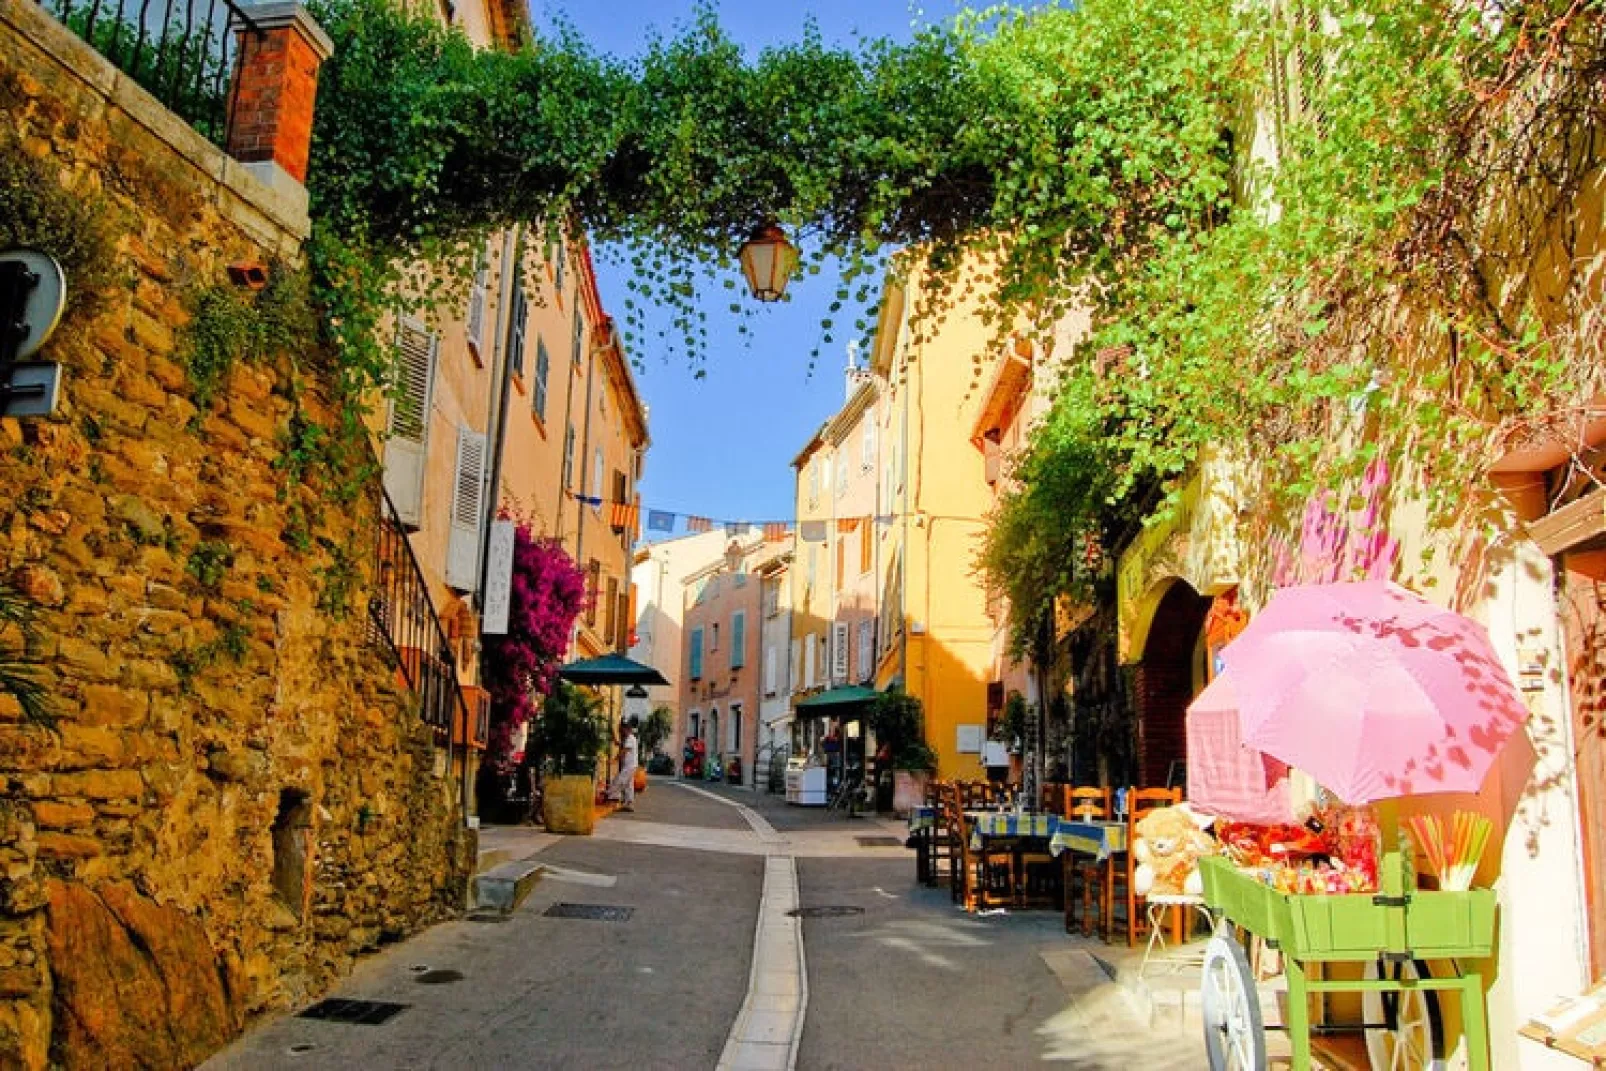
(1234, 1038)
(1404, 1031)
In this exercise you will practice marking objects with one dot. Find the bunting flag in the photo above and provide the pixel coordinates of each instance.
(698, 524)
(812, 531)
(736, 528)
(845, 525)
(588, 500)
(775, 532)
(660, 520)
(626, 515)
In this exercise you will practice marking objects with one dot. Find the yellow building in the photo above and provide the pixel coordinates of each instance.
(934, 635)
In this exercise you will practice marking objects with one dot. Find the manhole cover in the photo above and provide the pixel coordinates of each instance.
(599, 912)
(486, 916)
(829, 911)
(364, 1012)
(437, 977)
(879, 842)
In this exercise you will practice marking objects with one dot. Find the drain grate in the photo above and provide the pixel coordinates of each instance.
(599, 912)
(362, 1012)
(828, 911)
(487, 916)
(879, 842)
(438, 977)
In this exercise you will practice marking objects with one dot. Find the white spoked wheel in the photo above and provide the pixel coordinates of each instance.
(1403, 1030)
(1234, 1037)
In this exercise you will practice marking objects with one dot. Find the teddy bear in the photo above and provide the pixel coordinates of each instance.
(1167, 848)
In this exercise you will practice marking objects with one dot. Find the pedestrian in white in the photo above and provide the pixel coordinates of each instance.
(624, 783)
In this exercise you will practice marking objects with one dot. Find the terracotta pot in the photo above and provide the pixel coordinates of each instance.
(908, 789)
(641, 778)
(566, 807)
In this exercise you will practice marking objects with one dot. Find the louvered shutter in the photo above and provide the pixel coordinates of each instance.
(468, 502)
(696, 667)
(407, 427)
(769, 671)
(738, 640)
(839, 653)
(808, 663)
(866, 649)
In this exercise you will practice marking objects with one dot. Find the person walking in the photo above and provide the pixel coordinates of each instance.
(624, 783)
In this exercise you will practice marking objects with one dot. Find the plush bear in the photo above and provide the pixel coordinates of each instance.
(1167, 850)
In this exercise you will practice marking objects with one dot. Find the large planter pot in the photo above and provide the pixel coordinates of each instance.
(567, 807)
(908, 789)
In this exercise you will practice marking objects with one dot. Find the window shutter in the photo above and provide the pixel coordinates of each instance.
(568, 459)
(474, 324)
(808, 663)
(795, 664)
(839, 653)
(738, 639)
(626, 638)
(521, 316)
(468, 505)
(696, 654)
(866, 544)
(866, 649)
(769, 671)
(407, 426)
(538, 388)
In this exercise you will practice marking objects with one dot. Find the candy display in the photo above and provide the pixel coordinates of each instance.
(1453, 848)
(1335, 851)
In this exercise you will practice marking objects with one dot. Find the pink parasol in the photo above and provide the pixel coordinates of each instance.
(1224, 777)
(1372, 690)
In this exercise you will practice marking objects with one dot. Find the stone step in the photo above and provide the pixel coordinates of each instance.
(504, 887)
(492, 857)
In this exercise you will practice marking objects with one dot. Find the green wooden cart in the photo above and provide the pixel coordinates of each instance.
(1394, 933)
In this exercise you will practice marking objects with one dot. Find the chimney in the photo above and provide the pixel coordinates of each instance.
(276, 81)
(855, 376)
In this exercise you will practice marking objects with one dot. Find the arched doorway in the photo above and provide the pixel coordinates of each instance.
(1168, 676)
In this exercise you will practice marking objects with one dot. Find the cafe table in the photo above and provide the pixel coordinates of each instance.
(1100, 839)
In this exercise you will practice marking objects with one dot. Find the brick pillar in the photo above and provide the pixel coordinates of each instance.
(276, 83)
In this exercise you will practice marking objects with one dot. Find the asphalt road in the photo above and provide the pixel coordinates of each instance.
(903, 980)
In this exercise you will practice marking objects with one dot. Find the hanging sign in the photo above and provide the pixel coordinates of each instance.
(498, 578)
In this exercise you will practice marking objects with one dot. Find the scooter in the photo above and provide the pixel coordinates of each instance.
(712, 770)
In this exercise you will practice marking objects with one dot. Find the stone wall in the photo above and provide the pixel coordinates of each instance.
(237, 797)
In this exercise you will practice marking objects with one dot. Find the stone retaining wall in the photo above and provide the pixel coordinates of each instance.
(195, 842)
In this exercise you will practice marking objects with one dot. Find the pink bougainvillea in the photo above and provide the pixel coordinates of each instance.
(548, 593)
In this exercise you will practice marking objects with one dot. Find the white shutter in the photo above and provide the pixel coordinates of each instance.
(839, 653)
(468, 499)
(808, 663)
(407, 427)
(866, 648)
(769, 671)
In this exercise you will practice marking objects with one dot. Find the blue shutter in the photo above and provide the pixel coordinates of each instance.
(738, 639)
(538, 388)
(696, 653)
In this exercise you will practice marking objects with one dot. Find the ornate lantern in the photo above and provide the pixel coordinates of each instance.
(768, 261)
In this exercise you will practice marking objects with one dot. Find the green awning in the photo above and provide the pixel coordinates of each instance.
(825, 702)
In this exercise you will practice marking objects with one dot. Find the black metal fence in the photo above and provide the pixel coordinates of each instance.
(402, 617)
(183, 52)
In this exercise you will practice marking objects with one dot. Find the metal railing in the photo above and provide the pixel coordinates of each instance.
(402, 617)
(184, 52)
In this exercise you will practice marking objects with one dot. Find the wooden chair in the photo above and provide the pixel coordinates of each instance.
(1139, 802)
(986, 874)
(1086, 877)
(939, 839)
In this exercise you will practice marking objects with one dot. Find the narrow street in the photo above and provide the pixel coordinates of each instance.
(896, 975)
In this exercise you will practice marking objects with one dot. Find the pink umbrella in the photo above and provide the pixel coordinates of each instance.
(1224, 777)
(1372, 690)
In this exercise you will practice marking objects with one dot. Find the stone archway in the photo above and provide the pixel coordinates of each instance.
(1168, 676)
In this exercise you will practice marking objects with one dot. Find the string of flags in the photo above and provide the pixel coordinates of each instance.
(628, 515)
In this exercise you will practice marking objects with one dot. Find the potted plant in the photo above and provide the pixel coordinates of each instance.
(898, 722)
(655, 732)
(569, 735)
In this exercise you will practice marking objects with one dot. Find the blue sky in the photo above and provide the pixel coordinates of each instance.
(723, 444)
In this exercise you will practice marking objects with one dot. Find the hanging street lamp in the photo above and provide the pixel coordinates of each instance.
(768, 261)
